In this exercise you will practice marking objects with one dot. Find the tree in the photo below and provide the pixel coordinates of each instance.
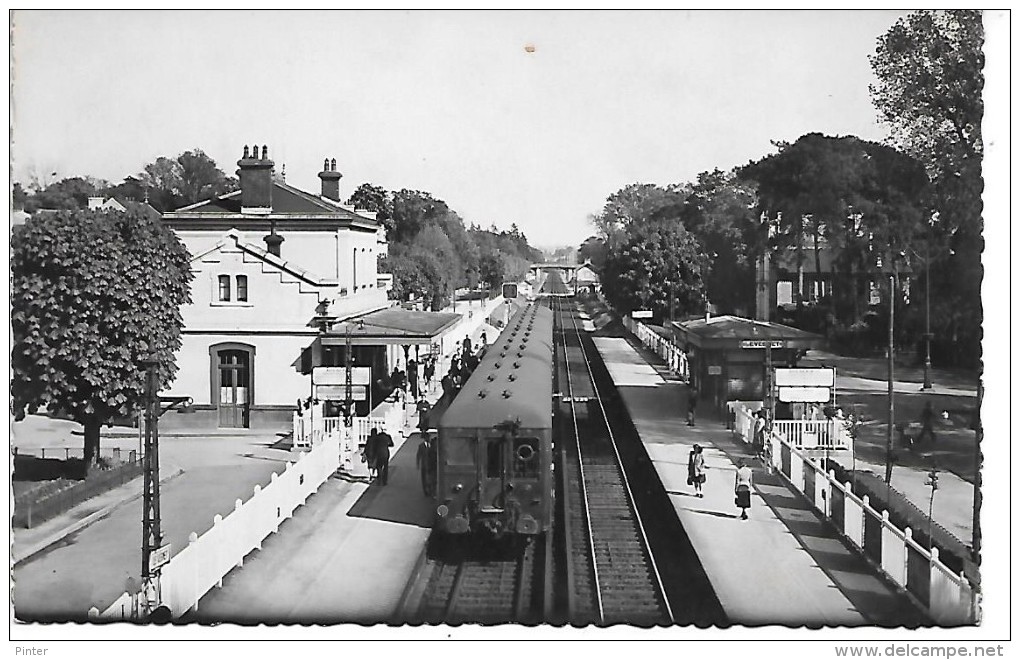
(374, 198)
(92, 294)
(189, 178)
(929, 67)
(630, 206)
(659, 259)
(593, 250)
(18, 196)
(721, 212)
(70, 193)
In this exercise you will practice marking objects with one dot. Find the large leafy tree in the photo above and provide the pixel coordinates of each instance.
(92, 294)
(721, 212)
(658, 261)
(865, 201)
(631, 206)
(929, 67)
(374, 198)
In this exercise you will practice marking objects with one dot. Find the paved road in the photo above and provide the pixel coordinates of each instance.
(90, 568)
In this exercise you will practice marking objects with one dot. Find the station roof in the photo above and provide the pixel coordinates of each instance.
(727, 331)
(394, 325)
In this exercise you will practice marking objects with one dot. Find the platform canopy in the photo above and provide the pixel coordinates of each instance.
(734, 332)
(393, 326)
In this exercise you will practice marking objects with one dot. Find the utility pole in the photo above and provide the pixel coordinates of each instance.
(154, 553)
(979, 436)
(349, 373)
(152, 535)
(889, 430)
(927, 320)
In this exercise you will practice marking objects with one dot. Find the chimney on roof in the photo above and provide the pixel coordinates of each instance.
(273, 240)
(256, 178)
(330, 180)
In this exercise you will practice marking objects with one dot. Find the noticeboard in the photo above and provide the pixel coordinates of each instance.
(338, 375)
(339, 392)
(823, 377)
(804, 394)
(641, 314)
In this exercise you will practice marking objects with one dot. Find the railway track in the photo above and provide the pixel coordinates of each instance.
(611, 572)
(504, 583)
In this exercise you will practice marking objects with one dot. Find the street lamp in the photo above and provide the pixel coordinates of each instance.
(927, 316)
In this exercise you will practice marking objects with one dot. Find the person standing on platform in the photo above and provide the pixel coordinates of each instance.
(369, 453)
(412, 377)
(692, 403)
(383, 442)
(426, 460)
(759, 432)
(430, 371)
(696, 469)
(742, 489)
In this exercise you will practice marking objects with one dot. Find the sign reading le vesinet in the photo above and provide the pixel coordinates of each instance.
(760, 343)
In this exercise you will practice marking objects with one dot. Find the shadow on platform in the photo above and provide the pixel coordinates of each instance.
(401, 500)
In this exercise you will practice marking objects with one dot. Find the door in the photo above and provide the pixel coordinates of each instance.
(234, 367)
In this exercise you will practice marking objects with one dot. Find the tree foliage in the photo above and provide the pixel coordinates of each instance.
(92, 294)
(657, 259)
(189, 178)
(431, 252)
(929, 67)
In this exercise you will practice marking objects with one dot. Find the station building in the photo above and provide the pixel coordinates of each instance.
(276, 269)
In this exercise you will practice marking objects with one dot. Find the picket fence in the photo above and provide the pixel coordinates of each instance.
(208, 558)
(949, 598)
(674, 358)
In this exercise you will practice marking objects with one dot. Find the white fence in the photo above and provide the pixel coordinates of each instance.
(196, 569)
(674, 358)
(949, 598)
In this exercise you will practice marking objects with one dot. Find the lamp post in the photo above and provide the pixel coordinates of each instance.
(927, 320)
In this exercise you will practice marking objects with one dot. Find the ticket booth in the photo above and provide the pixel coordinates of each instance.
(728, 355)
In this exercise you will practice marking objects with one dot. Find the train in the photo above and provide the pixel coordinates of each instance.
(494, 448)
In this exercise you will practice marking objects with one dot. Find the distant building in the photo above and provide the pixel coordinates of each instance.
(114, 204)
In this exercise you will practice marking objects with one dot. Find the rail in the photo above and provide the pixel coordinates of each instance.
(645, 545)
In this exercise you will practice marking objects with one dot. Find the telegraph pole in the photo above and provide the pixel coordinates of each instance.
(152, 535)
(154, 553)
(889, 430)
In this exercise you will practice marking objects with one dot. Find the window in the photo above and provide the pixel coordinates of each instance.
(242, 288)
(494, 459)
(225, 288)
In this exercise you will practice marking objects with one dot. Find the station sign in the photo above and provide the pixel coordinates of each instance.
(805, 377)
(762, 343)
(339, 392)
(715, 370)
(804, 394)
(159, 556)
(338, 375)
(641, 314)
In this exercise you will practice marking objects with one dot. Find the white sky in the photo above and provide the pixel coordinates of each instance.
(442, 101)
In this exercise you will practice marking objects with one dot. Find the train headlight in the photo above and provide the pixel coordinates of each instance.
(458, 487)
(442, 510)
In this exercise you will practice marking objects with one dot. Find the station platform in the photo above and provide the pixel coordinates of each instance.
(783, 566)
(346, 556)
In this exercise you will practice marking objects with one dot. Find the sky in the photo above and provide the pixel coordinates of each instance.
(527, 117)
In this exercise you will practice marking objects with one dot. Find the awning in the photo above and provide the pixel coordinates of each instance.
(725, 332)
(394, 326)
